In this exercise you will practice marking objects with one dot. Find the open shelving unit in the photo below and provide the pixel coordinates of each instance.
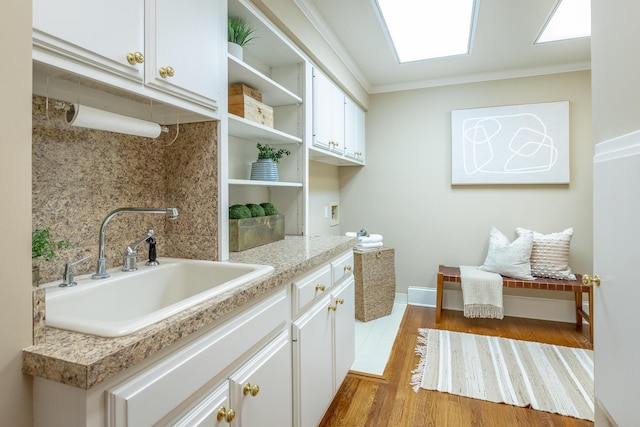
(276, 68)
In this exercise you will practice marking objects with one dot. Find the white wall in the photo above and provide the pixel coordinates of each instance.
(324, 190)
(404, 192)
(15, 226)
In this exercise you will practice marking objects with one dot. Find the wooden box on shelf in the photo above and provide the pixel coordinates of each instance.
(247, 107)
(243, 89)
(251, 232)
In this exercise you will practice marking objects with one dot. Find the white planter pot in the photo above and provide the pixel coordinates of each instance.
(235, 50)
(264, 170)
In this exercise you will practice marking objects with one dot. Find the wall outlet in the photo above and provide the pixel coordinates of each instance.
(326, 211)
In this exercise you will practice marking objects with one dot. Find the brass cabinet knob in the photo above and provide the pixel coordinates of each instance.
(135, 58)
(251, 389)
(166, 72)
(347, 268)
(226, 414)
(320, 288)
(339, 300)
(589, 281)
(332, 307)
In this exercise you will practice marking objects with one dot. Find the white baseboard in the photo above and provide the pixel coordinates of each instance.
(516, 306)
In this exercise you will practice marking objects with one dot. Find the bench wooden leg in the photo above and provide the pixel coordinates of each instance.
(578, 309)
(580, 313)
(439, 291)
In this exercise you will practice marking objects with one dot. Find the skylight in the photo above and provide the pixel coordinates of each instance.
(427, 29)
(571, 19)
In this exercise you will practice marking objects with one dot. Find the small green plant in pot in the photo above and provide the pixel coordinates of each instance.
(239, 34)
(266, 168)
(43, 247)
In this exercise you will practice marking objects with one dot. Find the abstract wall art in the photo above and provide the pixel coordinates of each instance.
(516, 144)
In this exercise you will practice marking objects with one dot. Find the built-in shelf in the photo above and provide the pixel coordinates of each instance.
(253, 182)
(273, 93)
(252, 131)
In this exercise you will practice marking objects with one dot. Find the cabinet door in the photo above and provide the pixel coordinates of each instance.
(354, 137)
(361, 137)
(344, 330)
(328, 114)
(98, 33)
(183, 42)
(205, 414)
(312, 364)
(322, 99)
(260, 391)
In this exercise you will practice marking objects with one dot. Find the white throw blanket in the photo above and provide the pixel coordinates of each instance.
(481, 293)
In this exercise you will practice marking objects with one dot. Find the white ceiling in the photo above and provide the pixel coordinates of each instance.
(502, 46)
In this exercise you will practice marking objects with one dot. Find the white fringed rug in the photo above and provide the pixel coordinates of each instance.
(522, 373)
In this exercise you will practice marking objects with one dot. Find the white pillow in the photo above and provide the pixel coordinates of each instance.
(550, 254)
(509, 258)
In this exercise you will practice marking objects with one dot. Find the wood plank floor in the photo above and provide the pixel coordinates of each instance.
(390, 401)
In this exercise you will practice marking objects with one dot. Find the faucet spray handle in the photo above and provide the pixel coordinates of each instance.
(67, 278)
(152, 252)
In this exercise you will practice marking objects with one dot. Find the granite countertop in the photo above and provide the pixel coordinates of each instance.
(84, 361)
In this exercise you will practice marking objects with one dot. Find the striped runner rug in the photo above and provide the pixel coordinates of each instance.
(522, 373)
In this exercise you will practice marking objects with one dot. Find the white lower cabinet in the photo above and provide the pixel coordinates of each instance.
(324, 346)
(257, 394)
(264, 366)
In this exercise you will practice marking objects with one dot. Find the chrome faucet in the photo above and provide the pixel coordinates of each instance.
(101, 270)
(130, 257)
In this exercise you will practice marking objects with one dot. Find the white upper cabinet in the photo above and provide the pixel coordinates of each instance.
(184, 48)
(354, 133)
(162, 50)
(99, 33)
(338, 125)
(328, 114)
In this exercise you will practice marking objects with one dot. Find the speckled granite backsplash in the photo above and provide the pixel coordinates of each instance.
(80, 175)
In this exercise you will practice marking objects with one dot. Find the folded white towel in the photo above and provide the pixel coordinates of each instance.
(369, 245)
(371, 238)
(351, 234)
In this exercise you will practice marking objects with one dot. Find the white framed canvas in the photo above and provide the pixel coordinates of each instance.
(515, 144)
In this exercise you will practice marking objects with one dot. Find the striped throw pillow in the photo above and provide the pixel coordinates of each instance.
(550, 254)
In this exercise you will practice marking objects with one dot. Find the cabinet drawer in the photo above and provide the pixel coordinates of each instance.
(342, 267)
(150, 395)
(307, 288)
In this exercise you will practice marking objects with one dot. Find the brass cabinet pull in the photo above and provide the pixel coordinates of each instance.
(340, 300)
(135, 58)
(226, 414)
(166, 72)
(332, 307)
(320, 287)
(589, 281)
(347, 268)
(251, 389)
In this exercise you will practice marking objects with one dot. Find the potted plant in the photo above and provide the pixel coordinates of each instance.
(266, 167)
(42, 246)
(239, 34)
(253, 225)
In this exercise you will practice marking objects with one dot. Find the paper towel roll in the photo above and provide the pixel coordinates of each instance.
(92, 118)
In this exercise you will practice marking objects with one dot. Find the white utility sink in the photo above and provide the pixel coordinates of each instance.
(129, 301)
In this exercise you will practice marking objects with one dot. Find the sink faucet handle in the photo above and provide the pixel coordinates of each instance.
(67, 278)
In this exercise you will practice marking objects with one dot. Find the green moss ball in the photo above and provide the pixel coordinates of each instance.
(256, 210)
(239, 212)
(269, 209)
